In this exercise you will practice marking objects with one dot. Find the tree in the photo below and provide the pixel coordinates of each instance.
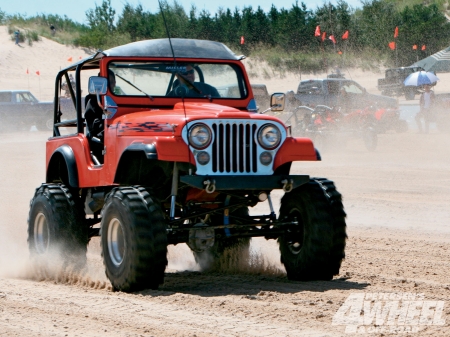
(102, 17)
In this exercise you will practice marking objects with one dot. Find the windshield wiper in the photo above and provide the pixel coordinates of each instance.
(125, 80)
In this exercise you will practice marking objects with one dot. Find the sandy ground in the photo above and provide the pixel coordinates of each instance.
(397, 200)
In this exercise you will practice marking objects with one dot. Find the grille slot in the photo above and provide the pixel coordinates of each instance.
(234, 148)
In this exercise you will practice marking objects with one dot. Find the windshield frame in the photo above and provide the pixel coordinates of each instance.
(227, 77)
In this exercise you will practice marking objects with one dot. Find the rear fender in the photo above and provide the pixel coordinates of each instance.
(62, 167)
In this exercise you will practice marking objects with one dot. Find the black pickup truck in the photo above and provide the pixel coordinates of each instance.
(20, 110)
(329, 92)
(392, 83)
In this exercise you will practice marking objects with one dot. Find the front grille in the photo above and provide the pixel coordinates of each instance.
(234, 148)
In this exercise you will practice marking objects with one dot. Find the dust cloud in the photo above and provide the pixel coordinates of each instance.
(23, 169)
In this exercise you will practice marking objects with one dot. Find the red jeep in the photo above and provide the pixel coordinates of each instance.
(177, 153)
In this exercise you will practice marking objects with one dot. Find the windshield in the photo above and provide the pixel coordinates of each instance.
(157, 79)
(352, 87)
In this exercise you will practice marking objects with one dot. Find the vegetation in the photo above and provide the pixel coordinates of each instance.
(284, 38)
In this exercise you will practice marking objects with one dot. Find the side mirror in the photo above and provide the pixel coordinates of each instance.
(98, 85)
(277, 101)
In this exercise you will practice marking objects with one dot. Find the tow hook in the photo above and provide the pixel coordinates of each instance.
(210, 186)
(287, 185)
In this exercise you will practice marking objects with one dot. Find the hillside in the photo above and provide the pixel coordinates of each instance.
(46, 57)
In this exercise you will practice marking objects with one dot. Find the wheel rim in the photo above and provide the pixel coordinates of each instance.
(295, 241)
(116, 242)
(41, 234)
(49, 124)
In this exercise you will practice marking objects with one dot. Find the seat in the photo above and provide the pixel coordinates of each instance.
(93, 116)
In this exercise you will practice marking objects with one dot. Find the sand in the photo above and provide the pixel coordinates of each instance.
(398, 215)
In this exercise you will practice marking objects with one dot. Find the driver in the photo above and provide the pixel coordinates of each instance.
(185, 85)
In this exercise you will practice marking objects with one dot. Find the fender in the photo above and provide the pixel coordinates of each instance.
(296, 149)
(67, 154)
(148, 149)
(130, 160)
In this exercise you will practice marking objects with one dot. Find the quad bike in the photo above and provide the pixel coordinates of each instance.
(388, 119)
(328, 126)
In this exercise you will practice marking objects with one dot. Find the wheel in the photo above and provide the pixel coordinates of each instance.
(56, 226)
(133, 239)
(370, 138)
(321, 141)
(401, 126)
(226, 253)
(313, 249)
(46, 123)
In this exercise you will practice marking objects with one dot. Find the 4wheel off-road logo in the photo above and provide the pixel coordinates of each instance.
(388, 313)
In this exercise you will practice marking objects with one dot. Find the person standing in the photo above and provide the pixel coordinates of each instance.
(17, 35)
(426, 105)
(52, 29)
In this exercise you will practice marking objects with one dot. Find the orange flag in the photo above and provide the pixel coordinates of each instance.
(345, 36)
(415, 47)
(242, 40)
(317, 32)
(396, 32)
(331, 37)
(38, 73)
(69, 59)
(392, 45)
(424, 47)
(324, 35)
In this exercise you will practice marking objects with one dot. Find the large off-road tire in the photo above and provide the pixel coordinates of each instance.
(226, 253)
(315, 248)
(370, 138)
(56, 226)
(133, 239)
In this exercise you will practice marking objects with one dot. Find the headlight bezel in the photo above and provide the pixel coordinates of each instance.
(199, 145)
(263, 130)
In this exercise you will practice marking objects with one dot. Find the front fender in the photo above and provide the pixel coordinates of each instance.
(296, 149)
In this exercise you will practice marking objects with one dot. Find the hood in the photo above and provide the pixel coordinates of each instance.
(171, 121)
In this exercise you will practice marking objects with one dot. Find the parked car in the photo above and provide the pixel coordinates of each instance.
(331, 91)
(20, 110)
(392, 83)
(262, 96)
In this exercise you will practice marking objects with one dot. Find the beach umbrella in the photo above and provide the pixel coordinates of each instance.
(420, 78)
(439, 62)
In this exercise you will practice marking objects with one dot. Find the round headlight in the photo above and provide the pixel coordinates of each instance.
(199, 136)
(269, 136)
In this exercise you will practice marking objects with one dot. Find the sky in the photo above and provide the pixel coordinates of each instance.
(76, 9)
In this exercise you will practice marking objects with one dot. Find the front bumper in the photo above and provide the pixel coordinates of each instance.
(245, 182)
